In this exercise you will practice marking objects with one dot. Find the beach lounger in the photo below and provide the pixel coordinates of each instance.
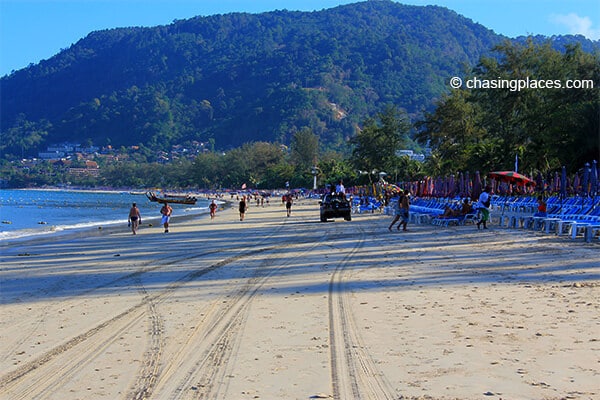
(591, 231)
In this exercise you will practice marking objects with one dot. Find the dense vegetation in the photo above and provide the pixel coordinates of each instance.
(278, 93)
(485, 129)
(240, 77)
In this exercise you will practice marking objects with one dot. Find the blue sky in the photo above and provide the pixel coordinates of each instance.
(33, 30)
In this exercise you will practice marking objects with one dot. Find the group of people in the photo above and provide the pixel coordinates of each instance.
(465, 208)
(401, 211)
(135, 218)
(286, 199)
(483, 206)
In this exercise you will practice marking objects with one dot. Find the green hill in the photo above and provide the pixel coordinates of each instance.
(241, 77)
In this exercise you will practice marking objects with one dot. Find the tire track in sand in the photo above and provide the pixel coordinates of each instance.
(218, 335)
(354, 374)
(22, 383)
(30, 381)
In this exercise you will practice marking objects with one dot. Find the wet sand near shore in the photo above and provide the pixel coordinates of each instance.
(292, 308)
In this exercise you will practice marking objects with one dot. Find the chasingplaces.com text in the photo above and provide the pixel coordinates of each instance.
(516, 85)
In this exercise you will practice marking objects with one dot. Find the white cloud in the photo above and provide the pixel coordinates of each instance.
(577, 25)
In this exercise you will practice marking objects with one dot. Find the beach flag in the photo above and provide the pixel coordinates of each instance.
(516, 163)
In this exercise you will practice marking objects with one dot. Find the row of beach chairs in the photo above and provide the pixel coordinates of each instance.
(431, 211)
(571, 218)
(574, 216)
(366, 205)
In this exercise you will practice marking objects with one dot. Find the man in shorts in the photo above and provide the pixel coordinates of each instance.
(134, 218)
(166, 212)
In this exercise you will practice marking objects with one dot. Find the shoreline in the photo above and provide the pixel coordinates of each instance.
(276, 307)
(60, 224)
(99, 229)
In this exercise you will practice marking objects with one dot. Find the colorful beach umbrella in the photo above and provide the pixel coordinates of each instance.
(391, 188)
(511, 177)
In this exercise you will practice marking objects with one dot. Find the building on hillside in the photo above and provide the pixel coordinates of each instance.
(91, 169)
(51, 155)
(65, 147)
(411, 154)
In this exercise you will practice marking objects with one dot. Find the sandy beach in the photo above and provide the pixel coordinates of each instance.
(292, 308)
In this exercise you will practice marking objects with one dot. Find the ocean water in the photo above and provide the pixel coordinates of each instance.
(40, 212)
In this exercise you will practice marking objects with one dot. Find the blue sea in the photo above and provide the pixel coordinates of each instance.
(40, 212)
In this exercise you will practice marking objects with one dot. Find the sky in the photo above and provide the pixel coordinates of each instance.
(34, 30)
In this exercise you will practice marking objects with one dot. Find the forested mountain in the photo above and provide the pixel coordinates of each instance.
(240, 77)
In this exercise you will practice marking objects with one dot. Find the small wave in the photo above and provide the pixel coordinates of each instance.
(50, 229)
(53, 229)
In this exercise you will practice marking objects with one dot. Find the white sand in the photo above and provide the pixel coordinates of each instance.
(291, 308)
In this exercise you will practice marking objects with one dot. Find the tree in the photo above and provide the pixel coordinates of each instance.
(24, 137)
(483, 128)
(260, 157)
(545, 126)
(376, 144)
(207, 170)
(334, 167)
(304, 149)
(454, 130)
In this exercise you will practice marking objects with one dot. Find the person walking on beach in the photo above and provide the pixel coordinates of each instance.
(135, 218)
(243, 208)
(213, 209)
(166, 212)
(482, 205)
(288, 204)
(405, 206)
(397, 212)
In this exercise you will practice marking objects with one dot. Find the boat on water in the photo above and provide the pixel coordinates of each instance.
(171, 198)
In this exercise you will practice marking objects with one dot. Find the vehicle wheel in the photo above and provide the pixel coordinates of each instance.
(348, 217)
(323, 219)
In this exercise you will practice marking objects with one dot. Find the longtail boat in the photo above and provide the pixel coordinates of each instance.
(171, 198)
